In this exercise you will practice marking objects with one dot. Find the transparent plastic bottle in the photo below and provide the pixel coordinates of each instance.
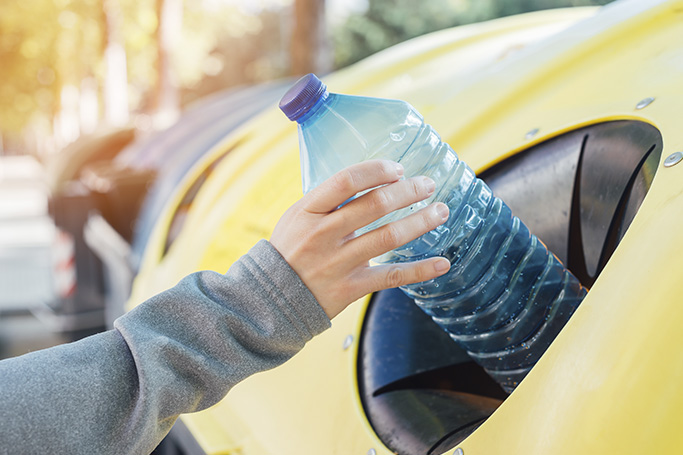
(506, 296)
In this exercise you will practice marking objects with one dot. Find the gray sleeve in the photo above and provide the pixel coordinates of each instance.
(120, 391)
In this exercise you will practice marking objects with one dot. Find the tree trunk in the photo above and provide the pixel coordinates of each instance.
(116, 79)
(165, 95)
(309, 47)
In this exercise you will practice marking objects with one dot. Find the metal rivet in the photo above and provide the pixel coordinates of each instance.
(348, 341)
(372, 452)
(459, 451)
(531, 134)
(642, 104)
(673, 159)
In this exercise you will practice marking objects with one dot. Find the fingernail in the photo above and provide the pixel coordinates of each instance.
(429, 184)
(399, 169)
(442, 210)
(442, 265)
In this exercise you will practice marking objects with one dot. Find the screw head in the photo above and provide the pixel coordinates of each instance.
(673, 159)
(531, 133)
(459, 451)
(645, 102)
(372, 452)
(348, 341)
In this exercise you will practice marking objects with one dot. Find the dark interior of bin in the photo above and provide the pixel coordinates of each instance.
(578, 193)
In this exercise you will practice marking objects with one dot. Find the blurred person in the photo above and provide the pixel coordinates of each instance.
(120, 391)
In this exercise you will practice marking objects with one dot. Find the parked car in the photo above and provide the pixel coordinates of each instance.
(572, 117)
(27, 236)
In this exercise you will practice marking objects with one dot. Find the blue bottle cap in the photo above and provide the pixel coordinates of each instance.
(302, 96)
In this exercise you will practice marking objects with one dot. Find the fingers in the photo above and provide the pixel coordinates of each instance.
(395, 275)
(381, 201)
(400, 232)
(313, 236)
(350, 181)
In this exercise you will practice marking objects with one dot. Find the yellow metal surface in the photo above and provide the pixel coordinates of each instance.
(609, 383)
(416, 71)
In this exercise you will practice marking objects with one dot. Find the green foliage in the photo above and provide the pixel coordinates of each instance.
(240, 48)
(28, 60)
(48, 44)
(388, 22)
(44, 45)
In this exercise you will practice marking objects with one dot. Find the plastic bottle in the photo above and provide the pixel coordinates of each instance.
(506, 296)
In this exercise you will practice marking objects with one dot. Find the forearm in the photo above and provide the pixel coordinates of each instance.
(181, 351)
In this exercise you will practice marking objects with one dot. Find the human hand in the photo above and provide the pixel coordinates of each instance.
(318, 241)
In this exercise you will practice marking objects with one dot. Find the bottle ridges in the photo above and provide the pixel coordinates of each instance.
(506, 296)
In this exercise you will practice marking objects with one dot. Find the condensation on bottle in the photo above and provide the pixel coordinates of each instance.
(506, 297)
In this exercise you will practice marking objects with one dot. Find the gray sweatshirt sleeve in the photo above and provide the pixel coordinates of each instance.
(120, 391)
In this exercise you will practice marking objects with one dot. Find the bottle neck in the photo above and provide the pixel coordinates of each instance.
(314, 110)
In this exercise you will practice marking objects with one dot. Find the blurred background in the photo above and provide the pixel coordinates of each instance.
(70, 67)
(96, 96)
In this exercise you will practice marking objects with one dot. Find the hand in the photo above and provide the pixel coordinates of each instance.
(318, 241)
